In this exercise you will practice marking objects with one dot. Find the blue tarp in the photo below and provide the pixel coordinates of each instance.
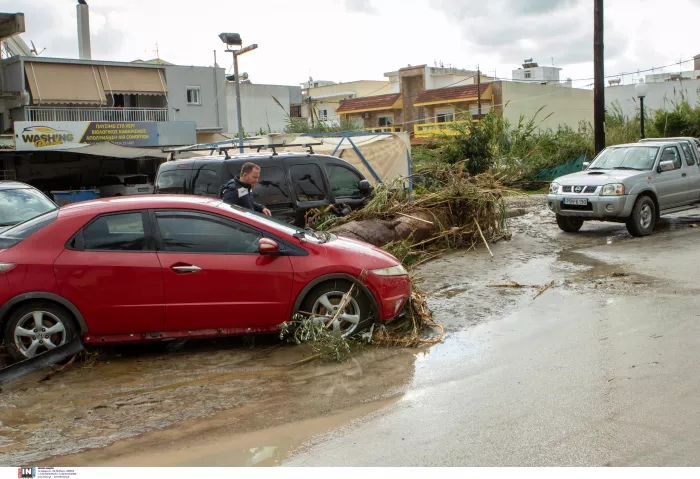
(549, 174)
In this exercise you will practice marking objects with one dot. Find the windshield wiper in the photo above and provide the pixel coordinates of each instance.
(625, 168)
(2, 225)
(597, 168)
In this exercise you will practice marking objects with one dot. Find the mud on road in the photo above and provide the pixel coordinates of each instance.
(226, 403)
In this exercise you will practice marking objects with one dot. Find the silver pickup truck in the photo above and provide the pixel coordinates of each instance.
(633, 184)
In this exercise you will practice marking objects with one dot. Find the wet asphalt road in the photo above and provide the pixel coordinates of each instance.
(601, 369)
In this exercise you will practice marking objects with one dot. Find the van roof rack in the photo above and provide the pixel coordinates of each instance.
(224, 146)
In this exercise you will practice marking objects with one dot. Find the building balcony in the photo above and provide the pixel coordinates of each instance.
(444, 128)
(384, 129)
(34, 113)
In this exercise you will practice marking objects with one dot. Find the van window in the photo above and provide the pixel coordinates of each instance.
(345, 183)
(174, 181)
(308, 182)
(272, 186)
(206, 182)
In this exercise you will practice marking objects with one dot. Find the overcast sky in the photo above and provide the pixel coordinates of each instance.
(346, 40)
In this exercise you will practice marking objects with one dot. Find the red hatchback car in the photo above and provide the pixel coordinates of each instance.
(176, 267)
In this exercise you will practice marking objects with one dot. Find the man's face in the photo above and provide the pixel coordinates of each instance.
(252, 177)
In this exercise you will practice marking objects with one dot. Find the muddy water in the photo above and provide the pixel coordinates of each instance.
(224, 403)
(224, 388)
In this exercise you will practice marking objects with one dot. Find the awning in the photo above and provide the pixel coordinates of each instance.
(133, 80)
(110, 150)
(64, 83)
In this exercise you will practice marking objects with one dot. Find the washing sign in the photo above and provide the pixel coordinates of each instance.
(57, 135)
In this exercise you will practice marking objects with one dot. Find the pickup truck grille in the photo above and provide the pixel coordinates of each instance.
(583, 189)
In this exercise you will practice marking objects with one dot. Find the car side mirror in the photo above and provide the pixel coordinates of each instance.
(586, 164)
(266, 246)
(365, 187)
(666, 166)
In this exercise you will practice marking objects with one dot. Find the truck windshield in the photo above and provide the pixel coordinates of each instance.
(626, 158)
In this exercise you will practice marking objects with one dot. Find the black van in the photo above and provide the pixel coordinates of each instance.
(290, 183)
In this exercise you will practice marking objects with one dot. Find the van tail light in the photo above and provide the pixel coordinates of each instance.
(7, 267)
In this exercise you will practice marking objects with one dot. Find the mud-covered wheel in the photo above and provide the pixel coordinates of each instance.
(36, 328)
(643, 218)
(325, 299)
(569, 224)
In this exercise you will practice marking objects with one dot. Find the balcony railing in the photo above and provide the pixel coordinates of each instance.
(384, 129)
(445, 128)
(96, 114)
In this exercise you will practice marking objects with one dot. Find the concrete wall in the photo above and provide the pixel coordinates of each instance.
(212, 94)
(660, 96)
(560, 106)
(258, 107)
(537, 74)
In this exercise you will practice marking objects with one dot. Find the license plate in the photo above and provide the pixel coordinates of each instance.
(143, 190)
(576, 201)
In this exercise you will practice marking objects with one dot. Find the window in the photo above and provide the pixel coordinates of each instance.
(323, 114)
(671, 154)
(689, 157)
(110, 181)
(13, 236)
(528, 74)
(308, 182)
(193, 97)
(272, 186)
(206, 182)
(21, 205)
(295, 111)
(444, 116)
(136, 180)
(120, 232)
(183, 233)
(637, 157)
(174, 182)
(344, 182)
(386, 120)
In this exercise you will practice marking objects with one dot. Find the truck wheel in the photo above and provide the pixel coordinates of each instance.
(569, 224)
(643, 218)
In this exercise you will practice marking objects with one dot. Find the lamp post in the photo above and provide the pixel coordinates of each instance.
(641, 89)
(234, 40)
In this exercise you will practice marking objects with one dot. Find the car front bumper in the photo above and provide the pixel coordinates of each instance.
(391, 293)
(598, 207)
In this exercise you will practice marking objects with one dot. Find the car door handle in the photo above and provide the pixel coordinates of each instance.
(187, 269)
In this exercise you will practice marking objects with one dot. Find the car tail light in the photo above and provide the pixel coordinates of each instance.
(7, 267)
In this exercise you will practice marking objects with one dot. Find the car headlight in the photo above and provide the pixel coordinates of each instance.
(397, 270)
(615, 189)
(554, 188)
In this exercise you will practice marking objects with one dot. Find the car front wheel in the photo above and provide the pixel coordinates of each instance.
(643, 218)
(324, 300)
(36, 328)
(569, 224)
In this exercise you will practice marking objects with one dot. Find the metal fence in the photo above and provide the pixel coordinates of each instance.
(96, 114)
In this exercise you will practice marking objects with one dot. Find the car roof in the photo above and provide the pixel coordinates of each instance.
(122, 203)
(646, 144)
(14, 185)
(251, 157)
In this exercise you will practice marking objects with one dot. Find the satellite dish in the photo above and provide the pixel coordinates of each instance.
(244, 76)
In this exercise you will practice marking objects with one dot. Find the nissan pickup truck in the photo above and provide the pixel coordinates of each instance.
(633, 184)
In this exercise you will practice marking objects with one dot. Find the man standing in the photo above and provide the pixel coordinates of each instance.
(238, 190)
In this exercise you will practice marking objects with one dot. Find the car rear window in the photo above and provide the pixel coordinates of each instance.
(175, 181)
(136, 180)
(17, 234)
(110, 181)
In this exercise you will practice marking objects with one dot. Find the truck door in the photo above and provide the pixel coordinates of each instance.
(671, 185)
(693, 173)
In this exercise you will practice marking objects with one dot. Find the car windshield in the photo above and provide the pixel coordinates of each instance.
(18, 206)
(281, 226)
(626, 158)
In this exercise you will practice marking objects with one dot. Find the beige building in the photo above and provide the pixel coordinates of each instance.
(326, 98)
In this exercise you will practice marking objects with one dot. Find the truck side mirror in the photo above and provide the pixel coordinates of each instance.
(666, 166)
(365, 187)
(586, 164)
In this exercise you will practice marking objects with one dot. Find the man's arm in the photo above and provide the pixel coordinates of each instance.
(230, 196)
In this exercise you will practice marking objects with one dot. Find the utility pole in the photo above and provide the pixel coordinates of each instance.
(599, 78)
(478, 89)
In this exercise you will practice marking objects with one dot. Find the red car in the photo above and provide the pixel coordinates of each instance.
(175, 267)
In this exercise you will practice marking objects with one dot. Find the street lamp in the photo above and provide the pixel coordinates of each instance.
(641, 89)
(234, 40)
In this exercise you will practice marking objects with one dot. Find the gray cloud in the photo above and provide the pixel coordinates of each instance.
(360, 6)
(512, 30)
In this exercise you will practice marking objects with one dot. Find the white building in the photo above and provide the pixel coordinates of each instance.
(260, 108)
(531, 72)
(659, 96)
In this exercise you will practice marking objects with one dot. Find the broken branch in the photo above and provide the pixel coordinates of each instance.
(483, 238)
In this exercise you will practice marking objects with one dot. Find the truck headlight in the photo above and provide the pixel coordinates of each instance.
(615, 189)
(554, 188)
(397, 270)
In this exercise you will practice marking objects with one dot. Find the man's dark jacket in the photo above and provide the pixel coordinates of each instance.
(235, 192)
